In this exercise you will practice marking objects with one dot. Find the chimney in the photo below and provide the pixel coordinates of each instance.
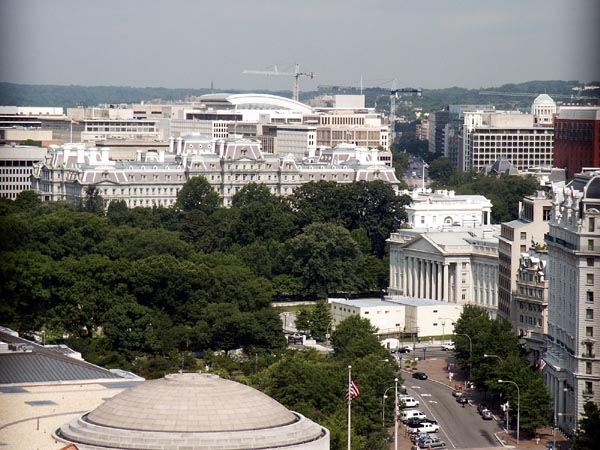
(171, 144)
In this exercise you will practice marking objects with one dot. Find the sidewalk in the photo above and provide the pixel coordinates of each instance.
(437, 371)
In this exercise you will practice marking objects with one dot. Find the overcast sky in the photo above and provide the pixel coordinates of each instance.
(189, 43)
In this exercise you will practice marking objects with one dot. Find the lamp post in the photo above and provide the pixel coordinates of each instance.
(518, 404)
(443, 319)
(383, 405)
(396, 414)
(470, 351)
(327, 331)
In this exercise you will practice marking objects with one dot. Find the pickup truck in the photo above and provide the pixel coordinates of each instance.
(424, 428)
(429, 443)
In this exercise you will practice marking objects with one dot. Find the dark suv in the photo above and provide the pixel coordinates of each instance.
(420, 375)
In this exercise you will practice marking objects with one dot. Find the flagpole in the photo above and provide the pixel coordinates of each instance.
(423, 176)
(349, 407)
(396, 415)
(71, 131)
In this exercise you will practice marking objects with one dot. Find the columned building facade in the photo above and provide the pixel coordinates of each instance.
(572, 369)
(453, 267)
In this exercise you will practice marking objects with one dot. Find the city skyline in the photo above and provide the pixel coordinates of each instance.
(186, 44)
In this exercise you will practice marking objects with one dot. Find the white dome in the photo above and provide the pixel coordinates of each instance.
(199, 411)
(543, 99)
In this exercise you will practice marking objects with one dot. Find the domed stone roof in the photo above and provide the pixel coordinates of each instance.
(200, 411)
(543, 99)
(167, 405)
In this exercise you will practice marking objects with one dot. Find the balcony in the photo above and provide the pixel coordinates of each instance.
(588, 355)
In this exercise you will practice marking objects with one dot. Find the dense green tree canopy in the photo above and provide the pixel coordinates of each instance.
(197, 194)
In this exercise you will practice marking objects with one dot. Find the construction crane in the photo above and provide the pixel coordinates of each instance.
(296, 74)
(394, 94)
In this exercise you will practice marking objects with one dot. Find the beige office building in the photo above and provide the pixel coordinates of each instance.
(516, 238)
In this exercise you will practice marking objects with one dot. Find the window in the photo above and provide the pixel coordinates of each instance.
(588, 368)
(589, 331)
(589, 314)
(589, 278)
(592, 224)
(588, 388)
(589, 296)
(523, 235)
(523, 248)
(590, 262)
(590, 245)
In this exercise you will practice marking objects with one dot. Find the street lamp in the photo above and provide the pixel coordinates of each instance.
(327, 331)
(443, 319)
(396, 414)
(470, 351)
(518, 404)
(383, 405)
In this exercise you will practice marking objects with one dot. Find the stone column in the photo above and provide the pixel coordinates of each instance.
(446, 282)
(457, 290)
(438, 283)
(422, 278)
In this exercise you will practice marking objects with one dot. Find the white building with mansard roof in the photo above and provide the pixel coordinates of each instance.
(155, 177)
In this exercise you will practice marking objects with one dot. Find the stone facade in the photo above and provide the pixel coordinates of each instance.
(572, 360)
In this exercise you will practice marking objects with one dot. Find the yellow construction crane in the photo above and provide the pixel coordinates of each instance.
(296, 74)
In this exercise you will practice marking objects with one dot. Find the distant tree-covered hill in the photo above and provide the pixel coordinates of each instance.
(431, 100)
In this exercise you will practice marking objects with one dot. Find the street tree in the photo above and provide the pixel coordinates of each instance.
(588, 434)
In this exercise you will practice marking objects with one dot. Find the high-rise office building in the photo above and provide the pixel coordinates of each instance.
(572, 359)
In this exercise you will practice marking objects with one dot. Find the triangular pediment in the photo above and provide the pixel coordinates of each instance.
(421, 244)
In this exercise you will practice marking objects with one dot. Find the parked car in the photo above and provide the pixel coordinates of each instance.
(482, 407)
(424, 428)
(462, 400)
(420, 375)
(408, 402)
(429, 443)
(416, 436)
(407, 414)
(457, 393)
(417, 420)
(405, 348)
(486, 414)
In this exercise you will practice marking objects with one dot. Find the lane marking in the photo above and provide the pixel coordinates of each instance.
(435, 418)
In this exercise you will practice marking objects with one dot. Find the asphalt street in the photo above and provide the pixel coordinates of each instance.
(460, 427)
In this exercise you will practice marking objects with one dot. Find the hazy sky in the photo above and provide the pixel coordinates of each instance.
(189, 43)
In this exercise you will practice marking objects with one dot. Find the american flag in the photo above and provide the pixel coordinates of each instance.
(353, 391)
(541, 364)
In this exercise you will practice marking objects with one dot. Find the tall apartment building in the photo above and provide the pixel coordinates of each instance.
(437, 127)
(451, 266)
(577, 139)
(516, 238)
(572, 369)
(530, 302)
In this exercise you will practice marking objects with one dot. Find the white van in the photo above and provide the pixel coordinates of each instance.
(408, 402)
(411, 413)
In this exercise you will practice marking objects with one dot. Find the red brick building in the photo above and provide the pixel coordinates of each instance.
(577, 139)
